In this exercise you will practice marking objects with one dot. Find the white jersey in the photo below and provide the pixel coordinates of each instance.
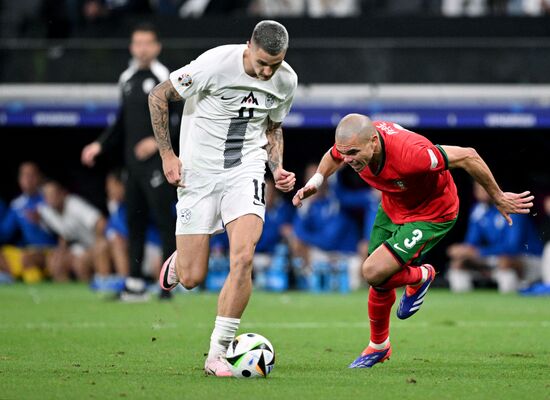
(226, 110)
(76, 223)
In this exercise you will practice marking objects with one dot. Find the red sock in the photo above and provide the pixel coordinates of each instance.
(407, 276)
(380, 304)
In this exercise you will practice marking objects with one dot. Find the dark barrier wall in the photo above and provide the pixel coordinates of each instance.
(362, 50)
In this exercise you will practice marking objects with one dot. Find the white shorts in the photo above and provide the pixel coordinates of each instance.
(210, 201)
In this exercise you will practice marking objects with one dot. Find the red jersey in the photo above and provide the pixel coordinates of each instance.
(413, 177)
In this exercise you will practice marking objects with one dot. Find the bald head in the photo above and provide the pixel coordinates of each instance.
(355, 126)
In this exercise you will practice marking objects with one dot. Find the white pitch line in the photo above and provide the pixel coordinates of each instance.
(48, 325)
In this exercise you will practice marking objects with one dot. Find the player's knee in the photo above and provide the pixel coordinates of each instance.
(372, 273)
(190, 282)
(242, 263)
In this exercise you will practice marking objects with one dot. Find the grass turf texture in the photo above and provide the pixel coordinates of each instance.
(62, 341)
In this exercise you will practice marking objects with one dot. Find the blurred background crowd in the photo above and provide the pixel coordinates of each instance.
(63, 221)
(61, 18)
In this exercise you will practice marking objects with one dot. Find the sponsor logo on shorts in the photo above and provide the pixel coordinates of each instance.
(185, 215)
(396, 246)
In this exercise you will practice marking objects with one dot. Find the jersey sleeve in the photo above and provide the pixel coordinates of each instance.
(425, 158)
(88, 213)
(194, 77)
(335, 154)
(278, 114)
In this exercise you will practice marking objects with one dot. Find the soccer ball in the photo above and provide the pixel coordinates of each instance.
(250, 356)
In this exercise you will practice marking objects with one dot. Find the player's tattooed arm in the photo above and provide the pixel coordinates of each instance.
(159, 98)
(275, 145)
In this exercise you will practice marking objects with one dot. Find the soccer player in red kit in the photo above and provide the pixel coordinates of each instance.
(419, 206)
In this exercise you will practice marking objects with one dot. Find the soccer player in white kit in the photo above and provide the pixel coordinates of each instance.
(236, 97)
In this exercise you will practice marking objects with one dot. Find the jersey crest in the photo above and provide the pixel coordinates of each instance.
(250, 99)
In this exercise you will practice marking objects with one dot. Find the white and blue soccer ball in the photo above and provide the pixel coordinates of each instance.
(251, 356)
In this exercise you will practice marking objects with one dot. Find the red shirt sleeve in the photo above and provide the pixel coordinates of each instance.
(425, 158)
(335, 154)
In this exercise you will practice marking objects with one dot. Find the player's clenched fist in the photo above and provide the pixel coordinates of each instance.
(172, 168)
(284, 180)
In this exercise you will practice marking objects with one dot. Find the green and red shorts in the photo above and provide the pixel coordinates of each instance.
(408, 242)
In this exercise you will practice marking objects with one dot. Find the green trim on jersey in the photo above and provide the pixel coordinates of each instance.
(407, 242)
(383, 160)
(444, 154)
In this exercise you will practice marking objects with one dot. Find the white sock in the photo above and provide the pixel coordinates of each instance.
(380, 346)
(134, 284)
(223, 333)
(507, 280)
(459, 280)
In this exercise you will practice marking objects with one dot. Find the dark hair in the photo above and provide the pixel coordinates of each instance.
(146, 27)
(270, 36)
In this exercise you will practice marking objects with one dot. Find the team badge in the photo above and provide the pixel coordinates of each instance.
(185, 80)
(185, 215)
(400, 184)
(250, 99)
(269, 100)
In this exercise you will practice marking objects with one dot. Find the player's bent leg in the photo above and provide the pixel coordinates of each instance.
(188, 265)
(414, 295)
(379, 267)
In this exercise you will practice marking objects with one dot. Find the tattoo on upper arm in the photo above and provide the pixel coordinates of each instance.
(275, 144)
(158, 108)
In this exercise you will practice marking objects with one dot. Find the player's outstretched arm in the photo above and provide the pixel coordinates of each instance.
(506, 202)
(284, 180)
(326, 168)
(159, 98)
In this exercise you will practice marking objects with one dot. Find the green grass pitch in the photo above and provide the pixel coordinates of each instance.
(64, 342)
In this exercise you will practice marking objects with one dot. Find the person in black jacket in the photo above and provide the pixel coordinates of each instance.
(147, 192)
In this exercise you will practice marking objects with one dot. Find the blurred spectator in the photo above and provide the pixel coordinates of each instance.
(531, 8)
(277, 228)
(364, 200)
(493, 249)
(5, 273)
(82, 247)
(200, 8)
(22, 226)
(277, 8)
(323, 232)
(278, 219)
(464, 8)
(148, 194)
(309, 8)
(545, 235)
(116, 231)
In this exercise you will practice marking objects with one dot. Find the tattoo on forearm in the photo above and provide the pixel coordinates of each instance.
(158, 108)
(275, 146)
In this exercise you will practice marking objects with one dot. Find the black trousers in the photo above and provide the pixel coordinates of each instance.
(149, 197)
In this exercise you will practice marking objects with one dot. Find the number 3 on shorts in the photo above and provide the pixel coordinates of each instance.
(417, 235)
